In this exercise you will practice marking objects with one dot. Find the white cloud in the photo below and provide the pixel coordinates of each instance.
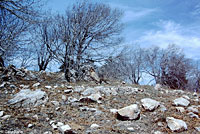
(172, 33)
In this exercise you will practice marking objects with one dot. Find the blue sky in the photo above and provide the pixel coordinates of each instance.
(155, 22)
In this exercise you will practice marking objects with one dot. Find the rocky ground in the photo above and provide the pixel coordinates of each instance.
(44, 103)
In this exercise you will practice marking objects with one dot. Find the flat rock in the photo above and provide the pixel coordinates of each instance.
(181, 102)
(5, 117)
(150, 104)
(36, 84)
(26, 97)
(193, 109)
(158, 87)
(94, 126)
(64, 129)
(131, 112)
(176, 125)
(197, 129)
(180, 109)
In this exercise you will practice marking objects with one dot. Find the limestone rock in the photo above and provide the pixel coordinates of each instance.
(64, 129)
(1, 113)
(192, 115)
(193, 109)
(131, 112)
(176, 125)
(94, 126)
(36, 84)
(150, 104)
(181, 102)
(158, 87)
(180, 109)
(5, 117)
(26, 97)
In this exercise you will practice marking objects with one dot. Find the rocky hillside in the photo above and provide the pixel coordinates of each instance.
(44, 103)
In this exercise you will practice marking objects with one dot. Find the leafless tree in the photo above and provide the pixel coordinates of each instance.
(15, 19)
(83, 31)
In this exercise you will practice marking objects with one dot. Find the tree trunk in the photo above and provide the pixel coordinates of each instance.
(1, 62)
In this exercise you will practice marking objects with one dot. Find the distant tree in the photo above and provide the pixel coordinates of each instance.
(84, 30)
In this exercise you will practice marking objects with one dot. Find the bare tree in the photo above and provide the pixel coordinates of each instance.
(83, 31)
(15, 19)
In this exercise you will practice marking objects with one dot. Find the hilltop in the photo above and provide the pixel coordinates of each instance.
(43, 102)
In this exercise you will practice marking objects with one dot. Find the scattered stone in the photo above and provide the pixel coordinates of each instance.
(131, 129)
(180, 109)
(67, 91)
(64, 129)
(92, 98)
(192, 115)
(1, 113)
(195, 94)
(64, 98)
(186, 97)
(158, 132)
(176, 125)
(131, 112)
(114, 111)
(69, 87)
(36, 84)
(160, 124)
(197, 128)
(162, 108)
(5, 117)
(35, 117)
(51, 122)
(158, 87)
(60, 124)
(55, 103)
(181, 102)
(48, 132)
(26, 97)
(58, 108)
(150, 104)
(193, 109)
(30, 125)
(54, 126)
(94, 126)
(89, 91)
(48, 87)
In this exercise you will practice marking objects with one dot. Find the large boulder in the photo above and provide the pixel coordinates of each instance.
(150, 104)
(181, 102)
(176, 125)
(131, 112)
(26, 97)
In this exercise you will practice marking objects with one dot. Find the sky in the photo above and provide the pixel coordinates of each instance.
(154, 22)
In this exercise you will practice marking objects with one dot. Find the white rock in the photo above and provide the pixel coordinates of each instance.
(48, 87)
(131, 129)
(36, 84)
(114, 111)
(195, 94)
(192, 115)
(57, 108)
(186, 97)
(67, 91)
(51, 122)
(1, 113)
(35, 117)
(89, 91)
(30, 125)
(93, 98)
(176, 124)
(64, 129)
(5, 117)
(48, 132)
(158, 87)
(193, 109)
(69, 87)
(55, 103)
(197, 128)
(26, 97)
(181, 102)
(158, 132)
(60, 124)
(131, 112)
(150, 104)
(93, 126)
(162, 108)
(64, 98)
(180, 109)
(54, 126)
(3, 84)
